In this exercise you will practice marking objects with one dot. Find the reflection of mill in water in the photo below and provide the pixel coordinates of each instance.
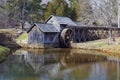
(40, 61)
(58, 63)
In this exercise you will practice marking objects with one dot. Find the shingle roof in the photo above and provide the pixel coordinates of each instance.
(47, 27)
(63, 20)
(80, 23)
(44, 27)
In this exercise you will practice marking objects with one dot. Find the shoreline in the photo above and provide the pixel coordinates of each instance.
(4, 52)
(99, 45)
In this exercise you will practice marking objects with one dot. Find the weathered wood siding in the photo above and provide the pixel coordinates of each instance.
(54, 22)
(51, 38)
(35, 36)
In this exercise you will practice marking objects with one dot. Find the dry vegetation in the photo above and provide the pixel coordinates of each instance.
(11, 31)
(101, 45)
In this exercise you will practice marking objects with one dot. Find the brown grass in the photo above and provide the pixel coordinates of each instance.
(101, 45)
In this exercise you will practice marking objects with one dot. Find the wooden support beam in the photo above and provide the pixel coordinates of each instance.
(88, 33)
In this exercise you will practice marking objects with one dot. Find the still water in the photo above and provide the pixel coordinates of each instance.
(58, 64)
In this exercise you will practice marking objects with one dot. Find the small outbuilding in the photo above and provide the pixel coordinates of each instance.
(42, 35)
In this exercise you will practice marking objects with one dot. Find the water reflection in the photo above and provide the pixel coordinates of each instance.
(57, 64)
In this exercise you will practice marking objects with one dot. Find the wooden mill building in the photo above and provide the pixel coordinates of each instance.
(43, 35)
(60, 22)
(59, 31)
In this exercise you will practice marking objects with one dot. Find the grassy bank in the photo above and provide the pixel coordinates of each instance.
(22, 38)
(7, 38)
(10, 31)
(4, 52)
(100, 45)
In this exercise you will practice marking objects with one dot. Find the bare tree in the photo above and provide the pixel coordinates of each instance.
(84, 11)
(118, 13)
(106, 10)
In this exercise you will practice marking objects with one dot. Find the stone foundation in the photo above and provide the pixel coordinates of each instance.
(40, 45)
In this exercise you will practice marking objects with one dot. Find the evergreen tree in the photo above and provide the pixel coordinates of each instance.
(56, 7)
(72, 3)
(27, 10)
(62, 9)
(12, 7)
(33, 10)
(49, 10)
(72, 10)
(73, 14)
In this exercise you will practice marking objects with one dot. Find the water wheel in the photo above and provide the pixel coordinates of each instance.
(66, 37)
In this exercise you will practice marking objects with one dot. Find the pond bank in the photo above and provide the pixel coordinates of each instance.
(4, 52)
(99, 45)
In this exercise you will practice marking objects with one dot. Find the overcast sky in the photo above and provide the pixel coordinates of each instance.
(45, 1)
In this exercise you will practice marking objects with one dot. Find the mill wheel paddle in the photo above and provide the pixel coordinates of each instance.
(66, 37)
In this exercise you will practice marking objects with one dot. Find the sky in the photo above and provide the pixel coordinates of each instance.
(45, 1)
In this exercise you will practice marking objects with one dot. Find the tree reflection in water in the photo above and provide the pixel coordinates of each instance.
(52, 64)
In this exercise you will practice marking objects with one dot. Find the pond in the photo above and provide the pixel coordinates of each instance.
(58, 64)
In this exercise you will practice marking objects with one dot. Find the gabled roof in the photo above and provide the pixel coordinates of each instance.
(46, 28)
(62, 20)
(80, 23)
